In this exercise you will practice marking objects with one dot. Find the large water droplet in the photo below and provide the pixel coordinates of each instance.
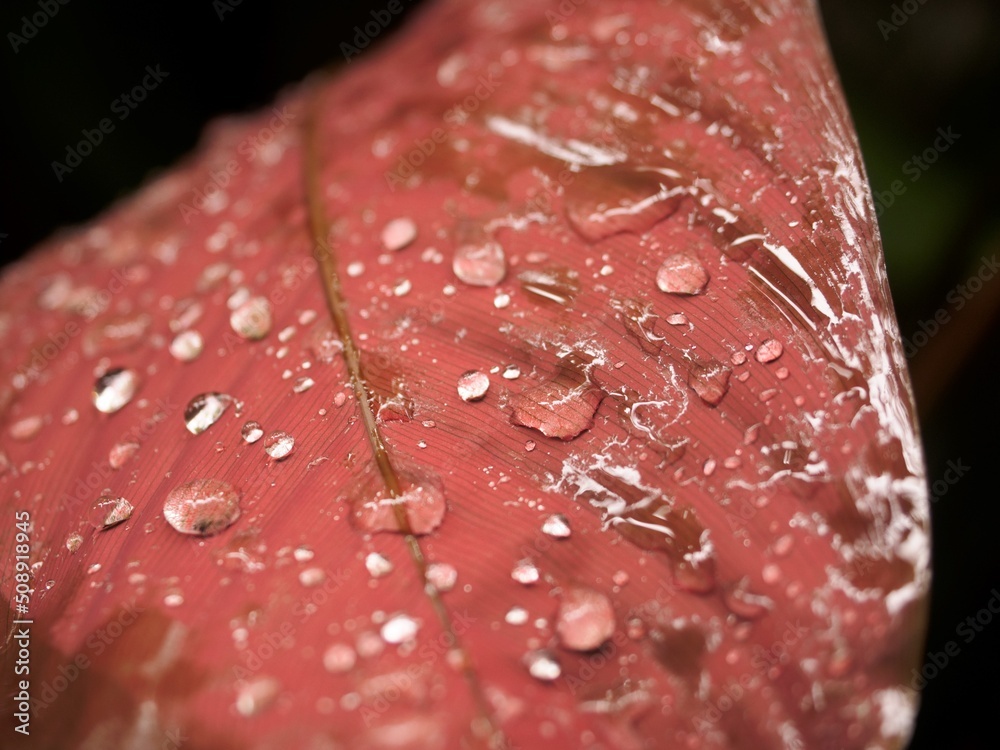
(114, 389)
(769, 351)
(252, 319)
(109, 511)
(472, 385)
(606, 200)
(421, 497)
(279, 445)
(202, 507)
(204, 410)
(559, 285)
(562, 407)
(586, 618)
(710, 381)
(682, 274)
(480, 264)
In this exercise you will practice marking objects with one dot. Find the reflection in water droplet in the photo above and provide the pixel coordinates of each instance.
(542, 665)
(482, 264)
(187, 346)
(399, 629)
(252, 432)
(556, 525)
(202, 507)
(279, 445)
(339, 658)
(378, 565)
(252, 319)
(256, 694)
(710, 381)
(586, 619)
(114, 389)
(769, 351)
(204, 410)
(555, 284)
(525, 572)
(682, 274)
(109, 511)
(421, 496)
(472, 385)
(398, 233)
(442, 576)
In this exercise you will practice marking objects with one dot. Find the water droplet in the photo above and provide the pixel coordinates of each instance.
(398, 233)
(312, 577)
(620, 578)
(252, 319)
(114, 389)
(121, 453)
(555, 284)
(73, 542)
(204, 410)
(682, 274)
(323, 343)
(303, 384)
(769, 351)
(516, 616)
(511, 372)
(472, 385)
(399, 629)
(525, 572)
(542, 665)
(279, 445)
(27, 428)
(173, 600)
(378, 565)
(252, 432)
(187, 346)
(738, 358)
(482, 264)
(562, 407)
(303, 554)
(442, 576)
(557, 525)
(109, 511)
(743, 604)
(606, 200)
(339, 658)
(421, 496)
(710, 381)
(202, 507)
(586, 619)
(256, 694)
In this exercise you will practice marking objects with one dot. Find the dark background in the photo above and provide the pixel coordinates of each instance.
(935, 70)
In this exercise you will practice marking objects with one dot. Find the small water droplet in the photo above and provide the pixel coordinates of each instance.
(738, 358)
(279, 445)
(252, 432)
(339, 658)
(109, 511)
(187, 346)
(442, 576)
(256, 694)
(398, 233)
(73, 542)
(399, 629)
(710, 381)
(743, 604)
(511, 372)
(26, 428)
(562, 407)
(120, 453)
(252, 319)
(586, 619)
(516, 616)
(769, 351)
(472, 385)
(114, 389)
(303, 554)
(542, 665)
(682, 274)
(557, 525)
(554, 284)
(202, 507)
(378, 565)
(173, 600)
(312, 577)
(620, 578)
(303, 384)
(482, 264)
(525, 573)
(204, 410)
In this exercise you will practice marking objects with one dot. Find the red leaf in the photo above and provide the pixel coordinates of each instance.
(632, 535)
